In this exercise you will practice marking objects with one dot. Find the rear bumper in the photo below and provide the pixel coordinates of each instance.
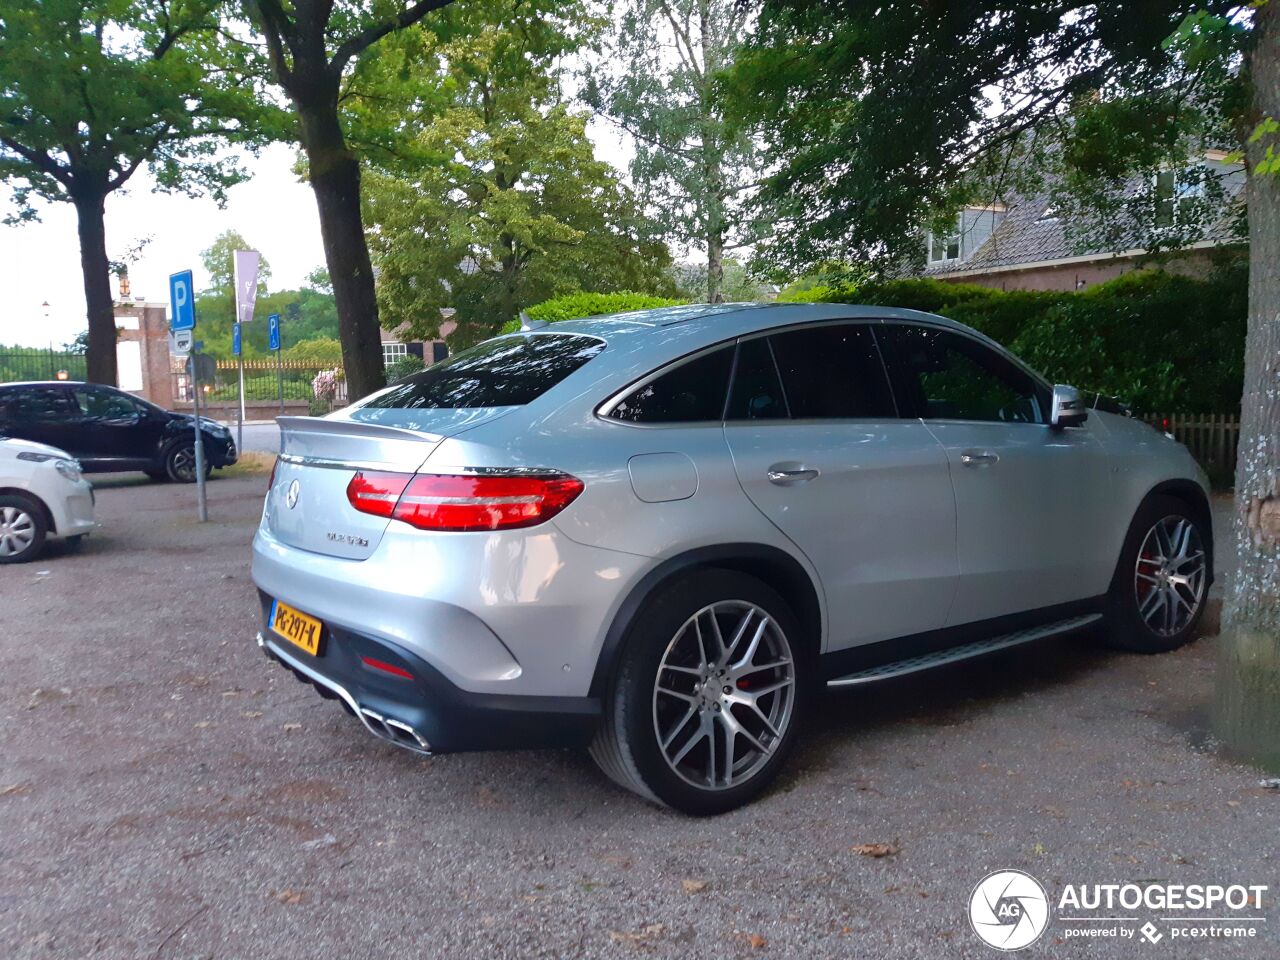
(428, 713)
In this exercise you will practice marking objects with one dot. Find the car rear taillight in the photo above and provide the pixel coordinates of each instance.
(271, 480)
(377, 493)
(437, 501)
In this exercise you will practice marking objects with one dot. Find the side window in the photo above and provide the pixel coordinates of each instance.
(105, 404)
(690, 392)
(756, 393)
(42, 405)
(833, 372)
(941, 375)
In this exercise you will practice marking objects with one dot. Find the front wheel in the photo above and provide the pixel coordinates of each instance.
(1160, 586)
(180, 462)
(22, 529)
(709, 694)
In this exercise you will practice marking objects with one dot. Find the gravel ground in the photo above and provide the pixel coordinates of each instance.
(166, 792)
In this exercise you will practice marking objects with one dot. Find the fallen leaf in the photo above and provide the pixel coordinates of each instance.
(251, 714)
(13, 789)
(203, 724)
(289, 727)
(291, 896)
(876, 850)
(693, 886)
(754, 940)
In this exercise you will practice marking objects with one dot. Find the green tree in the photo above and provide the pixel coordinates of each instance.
(693, 166)
(312, 47)
(879, 116)
(496, 201)
(92, 91)
(306, 314)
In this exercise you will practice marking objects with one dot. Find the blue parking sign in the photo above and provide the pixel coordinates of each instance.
(182, 300)
(235, 339)
(273, 332)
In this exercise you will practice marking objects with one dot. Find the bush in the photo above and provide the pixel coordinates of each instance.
(577, 305)
(1163, 342)
(404, 367)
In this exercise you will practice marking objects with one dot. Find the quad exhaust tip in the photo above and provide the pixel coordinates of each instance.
(380, 725)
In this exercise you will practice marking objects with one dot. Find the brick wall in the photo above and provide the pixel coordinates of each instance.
(145, 328)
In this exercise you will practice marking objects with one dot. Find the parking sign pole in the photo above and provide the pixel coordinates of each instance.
(202, 503)
(276, 342)
(183, 321)
(240, 424)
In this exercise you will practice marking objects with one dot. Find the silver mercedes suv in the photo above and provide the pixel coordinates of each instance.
(659, 534)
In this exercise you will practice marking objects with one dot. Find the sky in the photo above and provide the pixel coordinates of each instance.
(40, 262)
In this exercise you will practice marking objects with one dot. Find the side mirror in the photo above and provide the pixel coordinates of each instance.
(1067, 408)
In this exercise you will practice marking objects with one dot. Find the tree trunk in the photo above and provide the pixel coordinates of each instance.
(715, 266)
(335, 178)
(1247, 709)
(96, 270)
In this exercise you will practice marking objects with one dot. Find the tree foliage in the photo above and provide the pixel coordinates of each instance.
(694, 166)
(882, 119)
(308, 317)
(312, 49)
(493, 199)
(91, 92)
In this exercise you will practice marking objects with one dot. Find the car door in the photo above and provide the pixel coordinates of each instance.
(1027, 511)
(819, 448)
(44, 413)
(115, 426)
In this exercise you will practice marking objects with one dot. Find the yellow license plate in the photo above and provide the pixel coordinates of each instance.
(296, 627)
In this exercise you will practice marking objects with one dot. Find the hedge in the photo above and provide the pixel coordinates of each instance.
(577, 305)
(1160, 341)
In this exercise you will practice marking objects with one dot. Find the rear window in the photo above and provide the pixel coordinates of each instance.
(508, 372)
(690, 393)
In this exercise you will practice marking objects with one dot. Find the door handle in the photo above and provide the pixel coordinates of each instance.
(978, 458)
(785, 477)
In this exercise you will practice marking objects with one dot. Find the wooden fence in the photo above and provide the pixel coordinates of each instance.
(1211, 437)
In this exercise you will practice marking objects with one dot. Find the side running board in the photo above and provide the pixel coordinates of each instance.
(967, 651)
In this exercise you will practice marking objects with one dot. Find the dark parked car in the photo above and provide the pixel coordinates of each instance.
(109, 430)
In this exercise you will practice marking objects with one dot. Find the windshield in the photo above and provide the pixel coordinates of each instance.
(507, 372)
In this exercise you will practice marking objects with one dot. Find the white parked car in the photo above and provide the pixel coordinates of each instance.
(43, 495)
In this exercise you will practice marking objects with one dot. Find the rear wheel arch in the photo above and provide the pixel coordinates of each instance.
(771, 565)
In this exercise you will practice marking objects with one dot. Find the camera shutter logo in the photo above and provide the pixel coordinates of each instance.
(1009, 910)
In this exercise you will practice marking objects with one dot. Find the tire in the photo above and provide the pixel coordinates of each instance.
(1161, 583)
(23, 528)
(179, 462)
(663, 643)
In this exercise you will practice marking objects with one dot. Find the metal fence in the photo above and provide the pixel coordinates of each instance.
(263, 381)
(33, 363)
(1212, 438)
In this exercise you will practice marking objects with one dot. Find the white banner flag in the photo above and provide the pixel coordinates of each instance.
(246, 276)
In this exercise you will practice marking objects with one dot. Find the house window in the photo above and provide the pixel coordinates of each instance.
(391, 352)
(1176, 191)
(945, 246)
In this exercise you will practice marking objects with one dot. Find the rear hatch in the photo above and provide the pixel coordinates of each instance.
(396, 430)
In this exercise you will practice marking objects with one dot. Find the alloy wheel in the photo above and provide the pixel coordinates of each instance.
(1169, 576)
(724, 695)
(17, 531)
(184, 463)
